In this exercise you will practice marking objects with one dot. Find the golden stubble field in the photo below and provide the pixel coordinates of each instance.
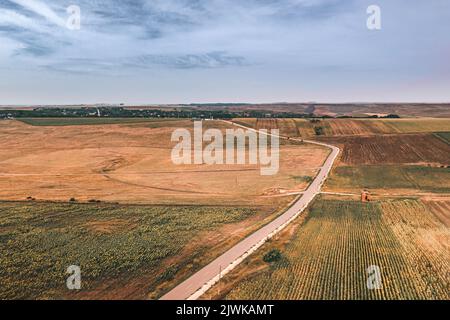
(131, 163)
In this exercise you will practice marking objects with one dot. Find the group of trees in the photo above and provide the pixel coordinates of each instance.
(181, 112)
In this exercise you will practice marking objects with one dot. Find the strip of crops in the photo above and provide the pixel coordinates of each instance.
(329, 256)
(444, 136)
(385, 177)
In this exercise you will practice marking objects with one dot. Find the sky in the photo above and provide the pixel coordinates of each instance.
(198, 51)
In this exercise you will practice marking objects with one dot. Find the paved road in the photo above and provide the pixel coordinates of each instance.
(200, 282)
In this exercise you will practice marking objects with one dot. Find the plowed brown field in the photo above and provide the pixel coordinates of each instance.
(350, 127)
(393, 149)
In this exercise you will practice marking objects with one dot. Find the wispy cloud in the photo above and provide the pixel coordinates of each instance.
(189, 61)
(41, 9)
(179, 34)
(10, 18)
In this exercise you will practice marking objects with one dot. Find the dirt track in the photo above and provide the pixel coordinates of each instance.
(200, 282)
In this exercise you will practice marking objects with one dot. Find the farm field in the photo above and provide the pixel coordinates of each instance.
(405, 110)
(131, 163)
(136, 223)
(344, 127)
(349, 109)
(444, 136)
(392, 149)
(124, 251)
(409, 179)
(328, 255)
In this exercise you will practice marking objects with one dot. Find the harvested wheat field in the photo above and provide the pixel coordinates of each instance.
(330, 251)
(131, 163)
(392, 149)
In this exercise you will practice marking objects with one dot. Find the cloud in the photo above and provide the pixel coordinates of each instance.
(41, 9)
(10, 18)
(190, 61)
(210, 60)
(288, 42)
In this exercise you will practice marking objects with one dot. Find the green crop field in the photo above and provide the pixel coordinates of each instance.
(39, 241)
(419, 125)
(444, 136)
(430, 179)
(85, 121)
(330, 252)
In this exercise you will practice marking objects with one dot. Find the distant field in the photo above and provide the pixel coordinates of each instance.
(444, 135)
(404, 110)
(38, 241)
(85, 121)
(329, 253)
(349, 109)
(430, 179)
(392, 149)
(343, 127)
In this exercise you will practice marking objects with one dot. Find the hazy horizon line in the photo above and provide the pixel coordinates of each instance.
(118, 104)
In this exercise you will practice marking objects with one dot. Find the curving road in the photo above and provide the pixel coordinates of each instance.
(204, 279)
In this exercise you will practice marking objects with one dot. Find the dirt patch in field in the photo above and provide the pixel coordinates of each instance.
(109, 226)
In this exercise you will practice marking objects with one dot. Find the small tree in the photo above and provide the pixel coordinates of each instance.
(318, 131)
(273, 255)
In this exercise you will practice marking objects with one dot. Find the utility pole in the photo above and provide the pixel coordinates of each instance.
(218, 283)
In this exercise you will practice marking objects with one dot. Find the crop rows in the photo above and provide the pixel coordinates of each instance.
(329, 256)
(349, 127)
(393, 149)
(425, 241)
